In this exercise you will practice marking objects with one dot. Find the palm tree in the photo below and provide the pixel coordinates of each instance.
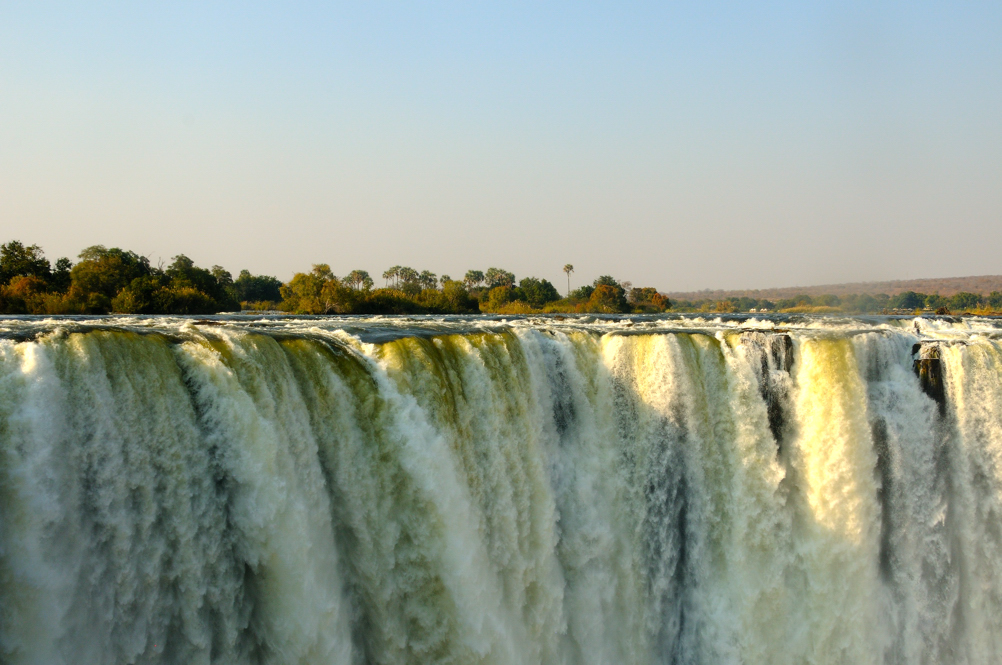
(407, 275)
(568, 269)
(427, 279)
(357, 279)
(499, 277)
(473, 278)
(391, 273)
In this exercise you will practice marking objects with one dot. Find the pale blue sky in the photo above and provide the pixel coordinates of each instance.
(680, 145)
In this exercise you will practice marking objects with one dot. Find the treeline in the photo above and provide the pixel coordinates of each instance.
(115, 280)
(908, 302)
(409, 291)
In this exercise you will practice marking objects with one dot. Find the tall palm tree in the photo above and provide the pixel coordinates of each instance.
(568, 269)
(473, 278)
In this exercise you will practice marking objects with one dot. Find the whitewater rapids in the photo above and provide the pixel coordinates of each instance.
(575, 491)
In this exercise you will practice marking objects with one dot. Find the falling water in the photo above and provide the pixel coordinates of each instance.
(467, 491)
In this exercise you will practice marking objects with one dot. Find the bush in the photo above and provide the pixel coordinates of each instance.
(516, 307)
(497, 298)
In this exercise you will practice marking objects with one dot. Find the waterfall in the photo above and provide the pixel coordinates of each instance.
(653, 491)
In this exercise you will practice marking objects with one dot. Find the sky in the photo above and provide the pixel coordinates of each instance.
(676, 145)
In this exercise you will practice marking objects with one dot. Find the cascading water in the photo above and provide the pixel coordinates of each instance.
(469, 491)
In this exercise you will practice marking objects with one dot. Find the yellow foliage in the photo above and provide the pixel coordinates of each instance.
(516, 307)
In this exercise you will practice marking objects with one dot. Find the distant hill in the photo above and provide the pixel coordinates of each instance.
(944, 286)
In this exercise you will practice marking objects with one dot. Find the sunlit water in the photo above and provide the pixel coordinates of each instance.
(475, 490)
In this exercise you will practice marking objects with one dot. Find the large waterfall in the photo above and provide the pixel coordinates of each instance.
(576, 491)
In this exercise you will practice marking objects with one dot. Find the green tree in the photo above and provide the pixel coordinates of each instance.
(222, 275)
(319, 292)
(568, 269)
(538, 292)
(936, 301)
(827, 300)
(498, 297)
(473, 279)
(358, 280)
(496, 277)
(962, 301)
(796, 301)
(28, 285)
(427, 279)
(302, 294)
(257, 288)
(61, 280)
(101, 273)
(183, 288)
(862, 303)
(908, 300)
(149, 294)
(189, 300)
(214, 284)
(408, 280)
(336, 298)
(16, 260)
(456, 299)
(391, 273)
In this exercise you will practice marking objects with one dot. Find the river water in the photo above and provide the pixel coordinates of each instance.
(783, 490)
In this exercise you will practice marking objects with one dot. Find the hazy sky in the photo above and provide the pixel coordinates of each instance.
(680, 145)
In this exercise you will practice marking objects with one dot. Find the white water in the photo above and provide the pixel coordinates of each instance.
(476, 492)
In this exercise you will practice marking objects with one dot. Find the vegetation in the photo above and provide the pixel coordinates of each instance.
(946, 287)
(321, 292)
(907, 302)
(258, 289)
(115, 280)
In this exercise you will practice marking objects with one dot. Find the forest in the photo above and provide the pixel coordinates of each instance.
(114, 280)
